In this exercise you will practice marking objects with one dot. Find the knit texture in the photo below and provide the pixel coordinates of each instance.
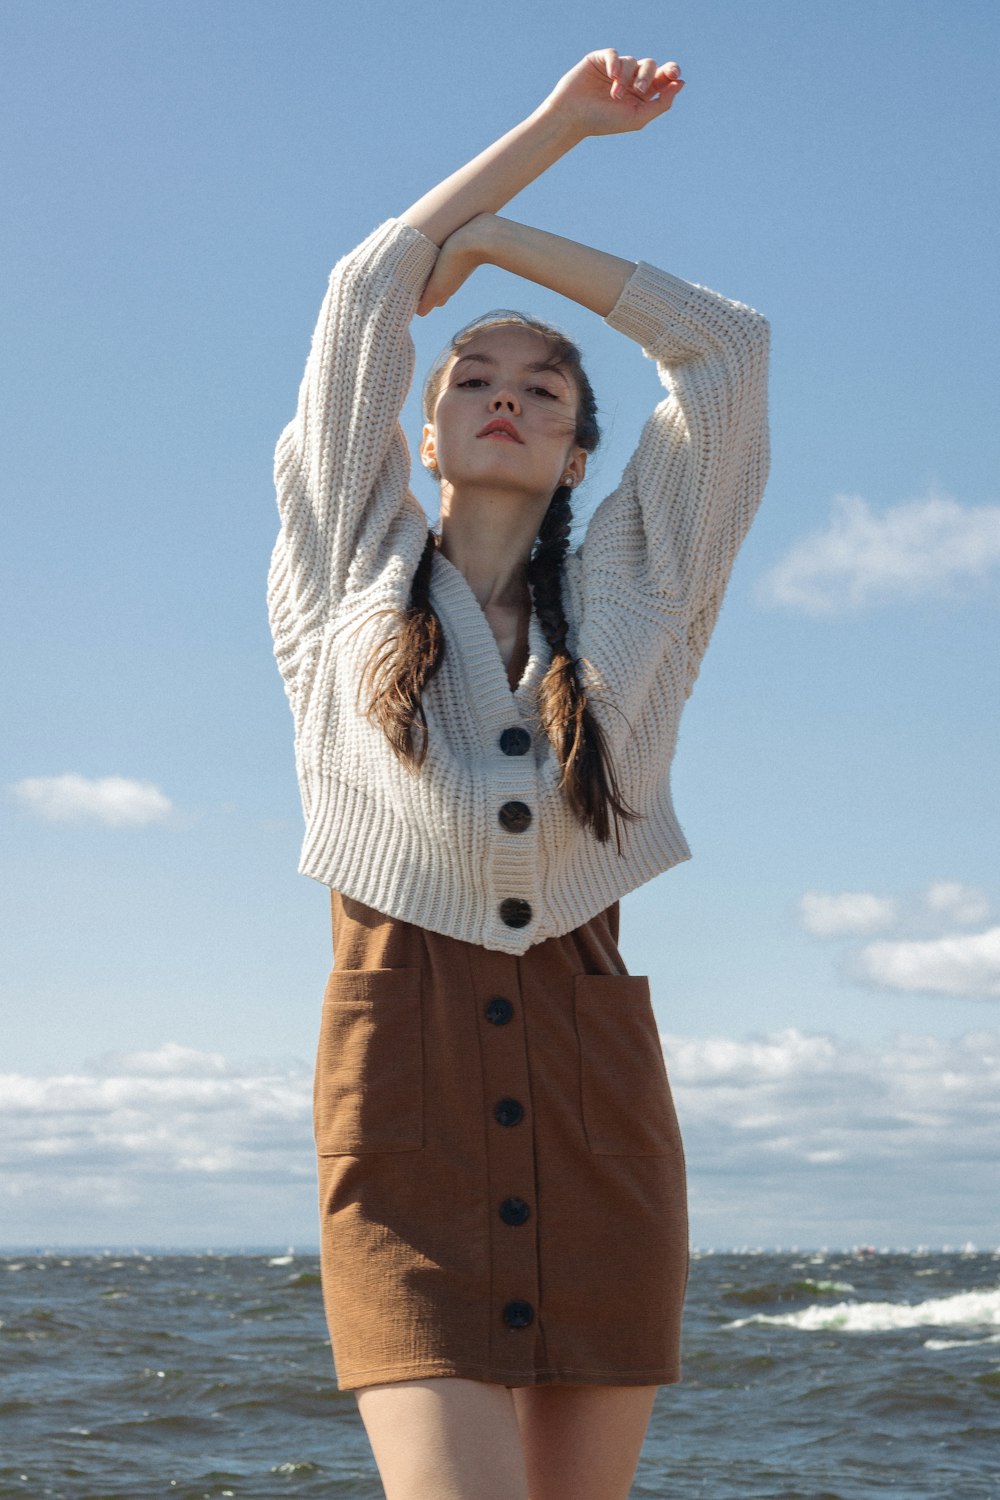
(642, 594)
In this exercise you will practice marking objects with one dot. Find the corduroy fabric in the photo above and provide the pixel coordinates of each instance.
(423, 1036)
(641, 595)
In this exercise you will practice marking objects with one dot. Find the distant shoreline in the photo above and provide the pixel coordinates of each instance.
(311, 1250)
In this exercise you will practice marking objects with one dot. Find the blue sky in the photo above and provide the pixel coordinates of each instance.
(179, 179)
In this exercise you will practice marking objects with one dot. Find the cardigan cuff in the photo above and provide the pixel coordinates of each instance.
(655, 309)
(395, 252)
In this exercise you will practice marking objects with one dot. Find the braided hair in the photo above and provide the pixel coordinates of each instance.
(589, 781)
(402, 665)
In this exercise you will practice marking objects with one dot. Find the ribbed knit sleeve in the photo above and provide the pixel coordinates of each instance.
(342, 464)
(671, 530)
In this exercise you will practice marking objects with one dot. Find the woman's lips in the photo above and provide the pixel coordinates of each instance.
(501, 428)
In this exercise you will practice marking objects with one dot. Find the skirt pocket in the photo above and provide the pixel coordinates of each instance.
(369, 1092)
(624, 1093)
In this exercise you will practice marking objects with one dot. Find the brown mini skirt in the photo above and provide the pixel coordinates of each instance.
(501, 1175)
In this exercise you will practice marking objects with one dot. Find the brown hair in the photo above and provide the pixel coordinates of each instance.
(401, 666)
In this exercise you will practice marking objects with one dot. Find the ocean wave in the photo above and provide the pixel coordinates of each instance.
(980, 1309)
(785, 1291)
(991, 1338)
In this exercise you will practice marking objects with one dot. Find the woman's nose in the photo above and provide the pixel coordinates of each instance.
(504, 399)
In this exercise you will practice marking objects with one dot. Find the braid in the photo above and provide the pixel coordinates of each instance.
(403, 665)
(589, 780)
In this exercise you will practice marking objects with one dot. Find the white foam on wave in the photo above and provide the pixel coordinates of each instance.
(962, 1310)
(991, 1338)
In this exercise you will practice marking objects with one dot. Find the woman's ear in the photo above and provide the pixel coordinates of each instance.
(576, 465)
(428, 449)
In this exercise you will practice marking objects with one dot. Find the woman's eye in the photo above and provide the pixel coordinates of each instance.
(544, 392)
(472, 380)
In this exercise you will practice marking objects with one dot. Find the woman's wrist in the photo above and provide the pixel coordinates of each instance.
(553, 120)
(483, 235)
(492, 239)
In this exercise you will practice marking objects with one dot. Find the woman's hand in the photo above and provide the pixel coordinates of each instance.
(463, 250)
(606, 94)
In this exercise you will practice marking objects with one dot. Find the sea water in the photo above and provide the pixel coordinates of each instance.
(807, 1377)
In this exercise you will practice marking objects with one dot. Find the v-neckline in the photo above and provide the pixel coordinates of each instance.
(484, 665)
(521, 654)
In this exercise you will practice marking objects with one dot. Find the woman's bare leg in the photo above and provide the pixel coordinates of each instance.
(582, 1442)
(445, 1440)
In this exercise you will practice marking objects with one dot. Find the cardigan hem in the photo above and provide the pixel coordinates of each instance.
(413, 894)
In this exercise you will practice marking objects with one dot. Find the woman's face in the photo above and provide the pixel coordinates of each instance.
(504, 419)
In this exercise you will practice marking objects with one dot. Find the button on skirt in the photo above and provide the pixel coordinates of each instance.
(501, 1175)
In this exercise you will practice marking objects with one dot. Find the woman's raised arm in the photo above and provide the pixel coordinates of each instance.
(604, 94)
(591, 277)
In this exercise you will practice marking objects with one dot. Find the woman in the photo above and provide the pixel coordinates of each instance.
(484, 730)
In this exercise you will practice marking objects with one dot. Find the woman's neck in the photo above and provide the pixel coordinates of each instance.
(489, 540)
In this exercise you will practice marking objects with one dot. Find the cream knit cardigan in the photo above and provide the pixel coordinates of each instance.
(641, 594)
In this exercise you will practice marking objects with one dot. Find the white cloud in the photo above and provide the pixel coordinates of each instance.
(171, 1111)
(789, 1137)
(796, 1139)
(848, 913)
(957, 903)
(966, 964)
(819, 1098)
(912, 550)
(114, 800)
